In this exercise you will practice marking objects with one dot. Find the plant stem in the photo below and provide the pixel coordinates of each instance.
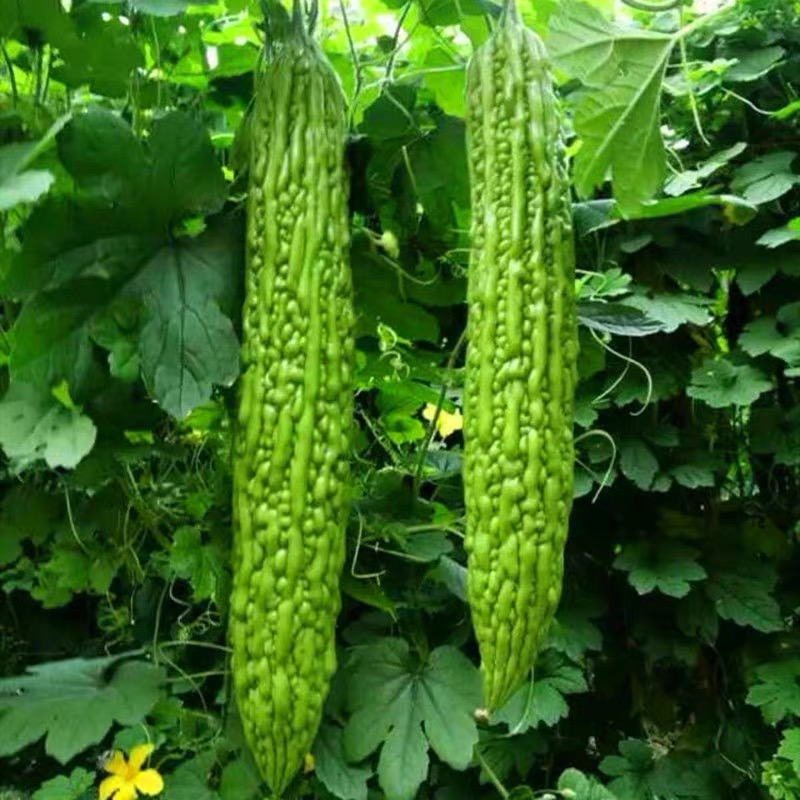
(11, 77)
(432, 429)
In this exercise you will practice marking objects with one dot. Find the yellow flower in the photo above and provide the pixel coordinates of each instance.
(128, 779)
(447, 423)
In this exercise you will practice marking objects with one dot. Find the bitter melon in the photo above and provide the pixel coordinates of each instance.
(291, 447)
(521, 355)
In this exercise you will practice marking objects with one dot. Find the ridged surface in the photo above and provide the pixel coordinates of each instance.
(293, 436)
(521, 356)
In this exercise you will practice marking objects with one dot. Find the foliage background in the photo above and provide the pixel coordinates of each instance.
(672, 670)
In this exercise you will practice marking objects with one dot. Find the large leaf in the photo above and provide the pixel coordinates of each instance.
(543, 700)
(74, 703)
(186, 344)
(407, 707)
(346, 781)
(34, 426)
(184, 290)
(618, 114)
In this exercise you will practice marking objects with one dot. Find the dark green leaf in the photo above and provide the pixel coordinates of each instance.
(346, 781)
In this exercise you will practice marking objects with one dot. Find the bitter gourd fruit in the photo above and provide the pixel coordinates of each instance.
(291, 446)
(521, 355)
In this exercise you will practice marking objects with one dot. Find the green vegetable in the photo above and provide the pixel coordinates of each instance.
(291, 471)
(521, 357)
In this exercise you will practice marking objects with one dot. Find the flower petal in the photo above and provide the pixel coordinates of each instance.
(110, 785)
(126, 792)
(148, 781)
(139, 755)
(116, 765)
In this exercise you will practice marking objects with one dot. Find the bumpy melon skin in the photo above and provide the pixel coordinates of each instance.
(521, 355)
(292, 445)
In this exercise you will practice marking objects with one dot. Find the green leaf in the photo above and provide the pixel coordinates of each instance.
(783, 235)
(103, 57)
(345, 781)
(176, 175)
(34, 427)
(691, 178)
(583, 787)
(508, 754)
(379, 303)
(720, 383)
(776, 690)
(392, 699)
(26, 513)
(776, 432)
(672, 310)
(102, 153)
(186, 178)
(573, 633)
(697, 616)
(616, 318)
(543, 701)
(638, 462)
(74, 703)
(190, 780)
(618, 116)
(203, 565)
(765, 178)
(695, 475)
(630, 770)
(741, 593)
(24, 187)
(66, 788)
(753, 64)
(790, 748)
(668, 567)
(593, 215)
(240, 780)
(186, 344)
(740, 208)
(44, 16)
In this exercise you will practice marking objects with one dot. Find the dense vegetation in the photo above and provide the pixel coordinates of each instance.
(672, 668)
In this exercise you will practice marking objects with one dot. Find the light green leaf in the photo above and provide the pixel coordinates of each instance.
(617, 116)
(779, 236)
(668, 567)
(583, 787)
(25, 187)
(34, 426)
(753, 64)
(692, 178)
(766, 178)
(672, 310)
(776, 690)
(720, 384)
(74, 703)
(790, 747)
